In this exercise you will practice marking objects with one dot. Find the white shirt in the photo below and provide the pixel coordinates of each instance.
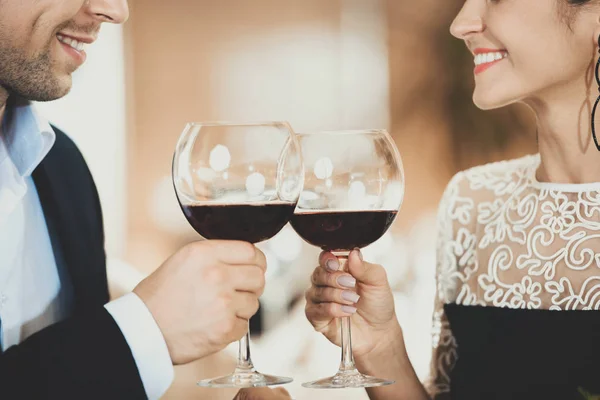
(34, 292)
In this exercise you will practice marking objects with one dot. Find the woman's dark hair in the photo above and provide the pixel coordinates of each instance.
(568, 9)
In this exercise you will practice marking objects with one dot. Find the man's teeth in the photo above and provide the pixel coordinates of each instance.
(79, 46)
(484, 58)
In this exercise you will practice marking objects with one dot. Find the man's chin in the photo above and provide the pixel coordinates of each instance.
(50, 91)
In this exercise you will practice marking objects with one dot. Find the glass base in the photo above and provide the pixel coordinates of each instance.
(347, 379)
(244, 380)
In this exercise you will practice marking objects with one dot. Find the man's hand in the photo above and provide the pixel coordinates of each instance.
(203, 296)
(262, 394)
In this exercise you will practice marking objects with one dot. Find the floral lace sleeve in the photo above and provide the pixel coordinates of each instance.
(443, 356)
(454, 211)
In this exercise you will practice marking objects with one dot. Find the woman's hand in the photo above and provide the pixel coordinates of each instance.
(363, 294)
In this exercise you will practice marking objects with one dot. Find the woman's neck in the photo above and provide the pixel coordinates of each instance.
(567, 150)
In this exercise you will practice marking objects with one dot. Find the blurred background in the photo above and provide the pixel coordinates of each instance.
(321, 65)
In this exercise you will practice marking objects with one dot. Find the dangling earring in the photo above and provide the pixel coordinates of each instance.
(597, 100)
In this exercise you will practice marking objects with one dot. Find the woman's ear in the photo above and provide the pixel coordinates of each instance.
(597, 30)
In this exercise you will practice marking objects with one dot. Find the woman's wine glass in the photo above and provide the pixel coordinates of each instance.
(353, 189)
(238, 182)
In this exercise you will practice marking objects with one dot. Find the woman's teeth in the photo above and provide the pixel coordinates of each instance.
(484, 58)
(79, 46)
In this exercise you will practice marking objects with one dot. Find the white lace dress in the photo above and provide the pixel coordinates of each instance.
(508, 241)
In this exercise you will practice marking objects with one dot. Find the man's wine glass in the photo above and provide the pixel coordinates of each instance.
(353, 189)
(238, 182)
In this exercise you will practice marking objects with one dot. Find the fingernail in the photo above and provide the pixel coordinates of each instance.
(350, 296)
(346, 281)
(359, 253)
(332, 265)
(349, 309)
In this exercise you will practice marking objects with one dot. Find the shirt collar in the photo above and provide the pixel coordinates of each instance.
(28, 137)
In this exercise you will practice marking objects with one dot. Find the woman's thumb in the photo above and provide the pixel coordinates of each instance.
(365, 272)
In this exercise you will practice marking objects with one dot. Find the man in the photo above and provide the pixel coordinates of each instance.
(61, 339)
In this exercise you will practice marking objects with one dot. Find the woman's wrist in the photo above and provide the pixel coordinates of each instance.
(388, 349)
(388, 359)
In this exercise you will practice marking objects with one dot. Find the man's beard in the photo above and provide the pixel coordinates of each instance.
(30, 77)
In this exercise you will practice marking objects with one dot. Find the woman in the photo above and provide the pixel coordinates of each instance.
(519, 249)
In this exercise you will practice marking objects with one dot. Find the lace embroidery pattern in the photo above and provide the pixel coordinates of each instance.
(507, 241)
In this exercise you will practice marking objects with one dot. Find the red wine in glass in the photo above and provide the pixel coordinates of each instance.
(247, 222)
(353, 189)
(238, 181)
(342, 230)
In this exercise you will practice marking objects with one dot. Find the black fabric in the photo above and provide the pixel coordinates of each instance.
(524, 354)
(86, 356)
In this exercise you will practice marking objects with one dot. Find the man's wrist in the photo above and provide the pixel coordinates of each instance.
(145, 341)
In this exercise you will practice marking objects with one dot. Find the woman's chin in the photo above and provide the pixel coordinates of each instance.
(488, 101)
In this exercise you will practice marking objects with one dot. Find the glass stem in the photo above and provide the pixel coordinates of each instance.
(244, 363)
(347, 363)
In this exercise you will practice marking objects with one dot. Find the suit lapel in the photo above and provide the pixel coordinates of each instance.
(71, 243)
(54, 220)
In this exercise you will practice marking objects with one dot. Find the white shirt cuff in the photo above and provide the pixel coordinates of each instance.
(146, 342)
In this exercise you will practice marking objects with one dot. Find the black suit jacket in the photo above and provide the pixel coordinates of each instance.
(86, 356)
